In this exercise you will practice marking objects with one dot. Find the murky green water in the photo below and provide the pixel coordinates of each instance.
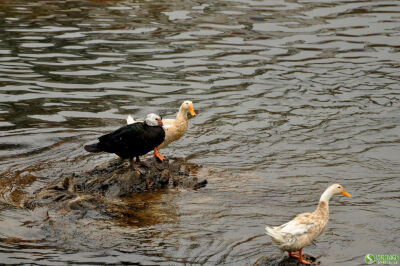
(291, 96)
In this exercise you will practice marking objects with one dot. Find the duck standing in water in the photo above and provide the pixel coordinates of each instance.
(302, 230)
(174, 128)
(132, 140)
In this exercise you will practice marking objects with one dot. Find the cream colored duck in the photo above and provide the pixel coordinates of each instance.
(302, 230)
(174, 128)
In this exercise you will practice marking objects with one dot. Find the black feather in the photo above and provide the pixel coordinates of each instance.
(130, 141)
(92, 148)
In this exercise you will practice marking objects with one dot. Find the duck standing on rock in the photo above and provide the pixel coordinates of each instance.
(174, 128)
(132, 140)
(302, 230)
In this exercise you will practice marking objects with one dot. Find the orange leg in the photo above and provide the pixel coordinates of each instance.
(157, 155)
(301, 259)
(293, 255)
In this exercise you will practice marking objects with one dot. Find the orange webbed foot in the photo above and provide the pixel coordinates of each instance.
(158, 156)
(300, 257)
(304, 261)
(293, 255)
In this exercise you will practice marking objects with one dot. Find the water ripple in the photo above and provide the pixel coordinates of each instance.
(291, 96)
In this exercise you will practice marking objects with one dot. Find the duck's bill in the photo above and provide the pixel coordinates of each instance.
(160, 123)
(191, 111)
(344, 193)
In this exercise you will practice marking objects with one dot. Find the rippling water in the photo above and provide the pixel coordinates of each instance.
(291, 96)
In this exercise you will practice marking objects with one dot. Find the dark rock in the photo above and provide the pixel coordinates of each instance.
(284, 260)
(101, 188)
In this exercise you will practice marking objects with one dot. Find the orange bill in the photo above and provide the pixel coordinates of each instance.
(344, 193)
(191, 111)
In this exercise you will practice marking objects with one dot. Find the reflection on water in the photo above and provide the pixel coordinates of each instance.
(291, 96)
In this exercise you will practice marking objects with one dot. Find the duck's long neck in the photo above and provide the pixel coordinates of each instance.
(181, 115)
(326, 196)
(324, 201)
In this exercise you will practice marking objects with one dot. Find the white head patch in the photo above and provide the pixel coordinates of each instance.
(152, 119)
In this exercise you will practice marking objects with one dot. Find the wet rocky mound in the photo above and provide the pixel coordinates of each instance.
(283, 260)
(102, 188)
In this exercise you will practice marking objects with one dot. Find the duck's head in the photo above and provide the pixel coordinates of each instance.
(332, 190)
(188, 106)
(153, 120)
(338, 189)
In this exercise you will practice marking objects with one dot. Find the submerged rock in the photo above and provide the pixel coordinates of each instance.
(283, 260)
(102, 188)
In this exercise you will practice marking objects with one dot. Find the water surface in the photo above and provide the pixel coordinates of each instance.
(291, 96)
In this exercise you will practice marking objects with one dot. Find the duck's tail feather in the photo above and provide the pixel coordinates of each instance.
(92, 148)
(274, 234)
(130, 120)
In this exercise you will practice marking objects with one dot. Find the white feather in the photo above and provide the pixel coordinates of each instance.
(295, 228)
(130, 120)
(274, 234)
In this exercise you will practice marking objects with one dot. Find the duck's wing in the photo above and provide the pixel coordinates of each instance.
(132, 132)
(130, 140)
(302, 224)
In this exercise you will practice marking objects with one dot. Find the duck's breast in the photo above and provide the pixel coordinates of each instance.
(175, 129)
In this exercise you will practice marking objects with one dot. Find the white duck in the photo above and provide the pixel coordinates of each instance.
(305, 227)
(174, 128)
